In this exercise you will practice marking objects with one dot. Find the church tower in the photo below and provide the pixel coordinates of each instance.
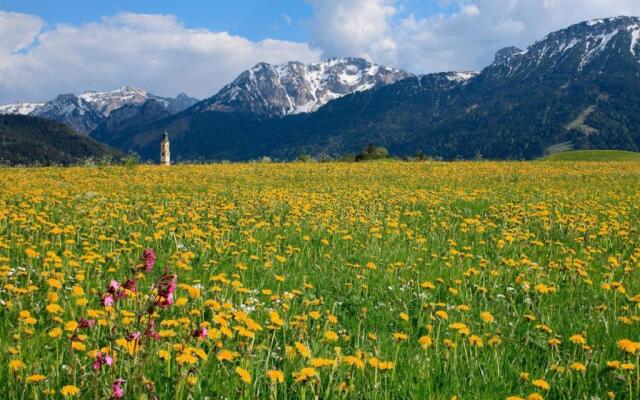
(165, 154)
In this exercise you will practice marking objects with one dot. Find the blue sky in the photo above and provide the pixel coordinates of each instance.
(253, 19)
(48, 47)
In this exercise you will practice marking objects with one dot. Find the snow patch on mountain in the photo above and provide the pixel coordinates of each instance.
(294, 88)
(106, 102)
(575, 47)
(71, 110)
(635, 37)
(19, 108)
(461, 77)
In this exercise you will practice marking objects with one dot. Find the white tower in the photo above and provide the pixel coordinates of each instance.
(165, 154)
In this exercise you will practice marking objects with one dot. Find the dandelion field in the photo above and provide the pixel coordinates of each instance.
(373, 280)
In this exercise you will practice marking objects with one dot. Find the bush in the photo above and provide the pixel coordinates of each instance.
(305, 158)
(373, 153)
(132, 160)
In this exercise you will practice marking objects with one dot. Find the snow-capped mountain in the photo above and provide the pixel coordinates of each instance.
(19, 108)
(106, 102)
(71, 110)
(293, 88)
(88, 110)
(589, 47)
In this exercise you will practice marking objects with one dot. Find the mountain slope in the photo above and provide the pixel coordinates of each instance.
(28, 140)
(124, 118)
(293, 88)
(71, 110)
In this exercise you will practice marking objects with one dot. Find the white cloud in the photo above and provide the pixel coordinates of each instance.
(160, 54)
(155, 52)
(466, 39)
(471, 9)
(356, 28)
(17, 31)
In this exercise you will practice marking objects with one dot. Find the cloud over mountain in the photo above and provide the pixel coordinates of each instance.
(158, 52)
(153, 51)
(464, 36)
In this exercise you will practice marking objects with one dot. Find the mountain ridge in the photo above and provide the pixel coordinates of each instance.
(85, 112)
(27, 140)
(294, 87)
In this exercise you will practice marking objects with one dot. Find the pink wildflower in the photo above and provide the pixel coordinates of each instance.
(149, 259)
(117, 392)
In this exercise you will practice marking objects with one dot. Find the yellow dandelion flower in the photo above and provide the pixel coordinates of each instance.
(186, 358)
(54, 283)
(54, 308)
(428, 285)
(78, 346)
(353, 361)
(275, 376)
(475, 341)
(400, 336)
(226, 355)
(16, 365)
(487, 317)
(303, 350)
(55, 332)
(627, 367)
(305, 374)
(69, 391)
(35, 378)
(628, 346)
(425, 342)
(330, 336)
(541, 384)
(578, 339)
(442, 314)
(322, 362)
(578, 366)
(245, 376)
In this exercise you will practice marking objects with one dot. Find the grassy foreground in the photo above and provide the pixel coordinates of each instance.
(382, 280)
(594, 155)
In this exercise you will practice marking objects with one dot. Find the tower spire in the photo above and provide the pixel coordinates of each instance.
(165, 154)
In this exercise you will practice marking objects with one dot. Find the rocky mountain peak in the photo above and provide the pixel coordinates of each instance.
(294, 87)
(106, 102)
(506, 53)
(72, 110)
(589, 46)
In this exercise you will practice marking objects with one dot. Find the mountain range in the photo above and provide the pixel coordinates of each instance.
(86, 112)
(576, 88)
